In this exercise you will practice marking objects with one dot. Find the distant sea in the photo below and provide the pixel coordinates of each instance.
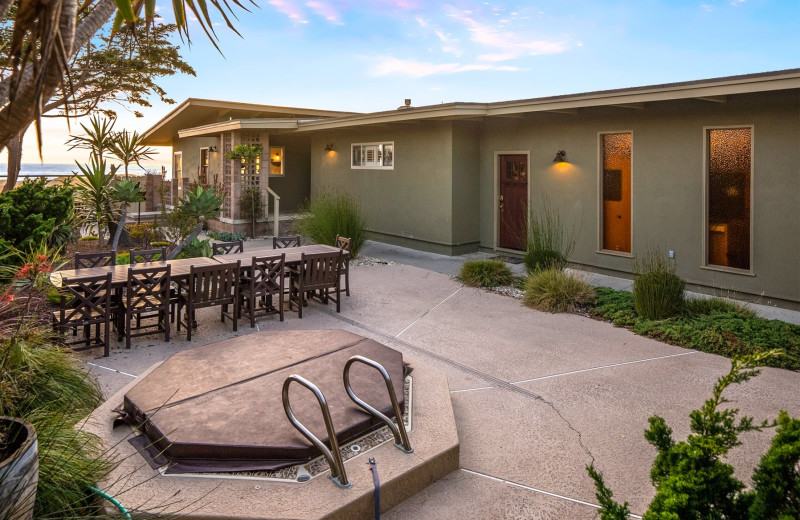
(60, 170)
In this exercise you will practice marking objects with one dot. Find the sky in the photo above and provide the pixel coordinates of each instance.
(371, 55)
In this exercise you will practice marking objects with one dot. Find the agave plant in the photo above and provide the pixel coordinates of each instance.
(94, 190)
(200, 204)
(125, 192)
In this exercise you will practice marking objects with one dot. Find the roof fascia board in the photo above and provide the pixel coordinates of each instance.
(239, 124)
(639, 96)
(412, 114)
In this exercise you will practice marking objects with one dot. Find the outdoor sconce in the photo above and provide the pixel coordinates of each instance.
(212, 149)
(561, 156)
(329, 147)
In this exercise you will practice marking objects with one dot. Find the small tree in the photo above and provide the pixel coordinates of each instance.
(125, 192)
(251, 207)
(691, 479)
(93, 189)
(98, 139)
(200, 205)
(128, 148)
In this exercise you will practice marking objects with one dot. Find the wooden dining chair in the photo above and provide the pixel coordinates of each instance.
(227, 248)
(344, 244)
(85, 303)
(263, 287)
(284, 242)
(147, 296)
(148, 255)
(86, 260)
(317, 274)
(209, 286)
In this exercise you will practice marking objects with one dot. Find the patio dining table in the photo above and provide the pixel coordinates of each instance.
(119, 273)
(292, 254)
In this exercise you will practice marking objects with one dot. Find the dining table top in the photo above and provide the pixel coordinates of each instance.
(181, 267)
(293, 254)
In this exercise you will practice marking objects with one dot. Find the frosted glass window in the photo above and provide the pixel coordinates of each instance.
(616, 185)
(729, 201)
(276, 160)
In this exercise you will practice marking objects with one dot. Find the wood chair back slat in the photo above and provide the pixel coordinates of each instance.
(87, 260)
(284, 242)
(227, 248)
(148, 255)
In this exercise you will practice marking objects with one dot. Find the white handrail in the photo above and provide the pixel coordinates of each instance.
(275, 212)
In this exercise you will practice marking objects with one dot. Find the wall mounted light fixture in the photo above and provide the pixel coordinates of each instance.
(212, 149)
(561, 156)
(329, 147)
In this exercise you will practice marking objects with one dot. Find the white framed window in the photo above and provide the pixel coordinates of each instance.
(276, 160)
(373, 156)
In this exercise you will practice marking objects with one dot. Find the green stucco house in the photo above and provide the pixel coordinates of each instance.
(708, 169)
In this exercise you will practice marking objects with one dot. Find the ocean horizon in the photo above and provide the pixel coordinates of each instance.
(65, 169)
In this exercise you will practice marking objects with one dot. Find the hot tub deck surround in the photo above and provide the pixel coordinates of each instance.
(141, 487)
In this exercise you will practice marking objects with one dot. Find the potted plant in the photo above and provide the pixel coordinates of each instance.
(19, 468)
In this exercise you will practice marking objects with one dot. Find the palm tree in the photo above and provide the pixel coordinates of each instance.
(93, 190)
(99, 137)
(201, 204)
(125, 192)
(128, 148)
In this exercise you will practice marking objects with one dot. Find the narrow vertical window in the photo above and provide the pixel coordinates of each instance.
(276, 160)
(729, 204)
(177, 171)
(616, 185)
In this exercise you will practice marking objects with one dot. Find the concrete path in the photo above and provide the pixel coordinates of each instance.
(536, 396)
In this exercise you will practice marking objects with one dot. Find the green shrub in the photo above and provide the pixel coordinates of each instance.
(485, 273)
(88, 238)
(123, 259)
(197, 248)
(553, 290)
(549, 243)
(697, 306)
(226, 236)
(159, 244)
(657, 290)
(693, 482)
(34, 212)
(727, 334)
(331, 214)
(143, 234)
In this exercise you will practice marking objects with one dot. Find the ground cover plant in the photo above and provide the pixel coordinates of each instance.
(331, 214)
(226, 236)
(722, 329)
(549, 241)
(486, 273)
(553, 290)
(692, 480)
(35, 212)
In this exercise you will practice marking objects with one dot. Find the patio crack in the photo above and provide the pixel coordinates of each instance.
(497, 382)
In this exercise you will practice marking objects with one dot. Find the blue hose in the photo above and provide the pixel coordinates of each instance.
(113, 501)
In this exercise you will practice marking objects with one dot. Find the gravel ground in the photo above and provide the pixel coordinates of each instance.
(368, 261)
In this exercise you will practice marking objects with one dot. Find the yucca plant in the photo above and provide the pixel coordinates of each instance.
(98, 139)
(331, 214)
(200, 205)
(93, 185)
(128, 148)
(125, 192)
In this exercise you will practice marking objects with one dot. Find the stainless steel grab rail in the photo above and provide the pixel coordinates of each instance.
(399, 430)
(338, 474)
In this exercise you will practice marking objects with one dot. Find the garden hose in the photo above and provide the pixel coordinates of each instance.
(113, 501)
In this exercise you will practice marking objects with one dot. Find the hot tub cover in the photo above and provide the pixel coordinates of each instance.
(218, 407)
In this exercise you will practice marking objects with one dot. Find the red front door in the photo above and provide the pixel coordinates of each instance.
(512, 203)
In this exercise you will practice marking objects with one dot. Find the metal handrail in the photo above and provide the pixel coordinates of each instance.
(399, 430)
(338, 474)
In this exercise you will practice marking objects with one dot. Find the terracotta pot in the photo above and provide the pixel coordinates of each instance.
(19, 472)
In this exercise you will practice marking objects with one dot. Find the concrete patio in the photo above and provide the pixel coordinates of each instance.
(536, 396)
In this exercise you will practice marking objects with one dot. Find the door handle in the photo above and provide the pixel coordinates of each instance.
(501, 206)
(501, 198)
